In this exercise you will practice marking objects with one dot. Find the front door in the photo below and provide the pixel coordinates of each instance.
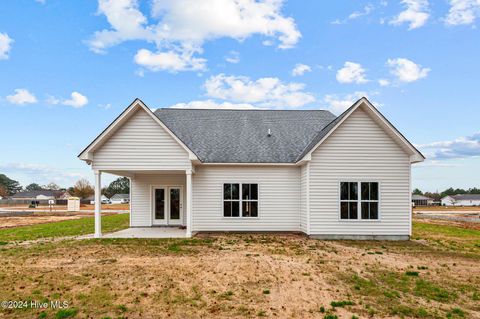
(167, 205)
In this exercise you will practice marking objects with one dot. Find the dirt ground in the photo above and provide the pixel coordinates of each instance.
(8, 222)
(247, 275)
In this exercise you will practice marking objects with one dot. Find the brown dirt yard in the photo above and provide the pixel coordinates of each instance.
(435, 275)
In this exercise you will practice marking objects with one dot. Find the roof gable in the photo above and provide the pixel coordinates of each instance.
(415, 155)
(135, 106)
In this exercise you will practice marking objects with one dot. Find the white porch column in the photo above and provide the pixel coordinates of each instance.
(98, 204)
(189, 202)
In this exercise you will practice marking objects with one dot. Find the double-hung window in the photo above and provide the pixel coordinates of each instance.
(240, 200)
(359, 200)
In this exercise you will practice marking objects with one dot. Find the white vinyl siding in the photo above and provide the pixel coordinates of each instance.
(359, 150)
(141, 191)
(303, 198)
(278, 198)
(141, 144)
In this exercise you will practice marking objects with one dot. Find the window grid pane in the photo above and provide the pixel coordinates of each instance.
(359, 200)
(240, 200)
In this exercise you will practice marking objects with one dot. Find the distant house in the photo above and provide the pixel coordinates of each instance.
(104, 199)
(420, 200)
(461, 200)
(43, 195)
(120, 199)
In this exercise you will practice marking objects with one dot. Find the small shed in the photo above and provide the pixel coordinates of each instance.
(73, 204)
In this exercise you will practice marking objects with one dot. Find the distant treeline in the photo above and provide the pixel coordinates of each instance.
(448, 191)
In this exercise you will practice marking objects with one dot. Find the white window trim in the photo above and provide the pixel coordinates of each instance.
(359, 201)
(241, 201)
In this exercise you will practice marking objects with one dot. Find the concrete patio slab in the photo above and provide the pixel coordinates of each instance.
(148, 232)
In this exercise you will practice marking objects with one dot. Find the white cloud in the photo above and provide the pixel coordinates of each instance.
(384, 82)
(301, 69)
(406, 70)
(105, 106)
(355, 15)
(76, 100)
(462, 147)
(22, 96)
(181, 27)
(5, 46)
(416, 14)
(463, 12)
(339, 103)
(169, 61)
(351, 73)
(40, 1)
(210, 104)
(264, 92)
(233, 57)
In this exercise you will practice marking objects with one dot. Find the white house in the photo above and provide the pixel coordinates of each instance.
(120, 199)
(260, 170)
(420, 200)
(461, 200)
(104, 199)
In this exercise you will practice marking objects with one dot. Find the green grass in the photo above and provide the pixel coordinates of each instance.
(74, 227)
(445, 230)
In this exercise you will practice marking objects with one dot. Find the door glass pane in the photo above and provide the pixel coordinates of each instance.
(174, 203)
(160, 203)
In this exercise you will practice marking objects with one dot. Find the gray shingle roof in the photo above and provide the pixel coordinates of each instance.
(34, 194)
(241, 136)
(467, 197)
(420, 197)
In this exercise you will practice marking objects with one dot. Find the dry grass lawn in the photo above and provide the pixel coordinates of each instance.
(436, 275)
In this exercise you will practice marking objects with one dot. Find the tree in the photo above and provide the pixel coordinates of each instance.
(119, 186)
(416, 191)
(33, 187)
(3, 191)
(52, 186)
(83, 189)
(10, 185)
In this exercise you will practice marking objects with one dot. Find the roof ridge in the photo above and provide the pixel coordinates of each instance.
(243, 110)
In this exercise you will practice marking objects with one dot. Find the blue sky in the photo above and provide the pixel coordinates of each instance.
(68, 68)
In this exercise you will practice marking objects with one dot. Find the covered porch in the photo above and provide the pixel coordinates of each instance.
(160, 203)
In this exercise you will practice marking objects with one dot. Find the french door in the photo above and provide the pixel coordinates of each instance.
(167, 205)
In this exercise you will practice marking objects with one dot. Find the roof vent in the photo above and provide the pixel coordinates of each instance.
(269, 133)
